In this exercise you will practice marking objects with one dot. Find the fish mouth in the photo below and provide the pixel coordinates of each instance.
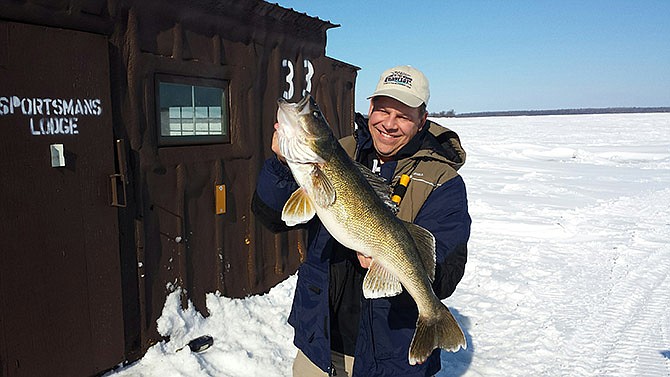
(299, 126)
(294, 109)
(288, 113)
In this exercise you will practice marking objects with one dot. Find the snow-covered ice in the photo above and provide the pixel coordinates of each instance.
(568, 261)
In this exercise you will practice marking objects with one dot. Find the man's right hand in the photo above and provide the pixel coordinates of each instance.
(275, 145)
(363, 260)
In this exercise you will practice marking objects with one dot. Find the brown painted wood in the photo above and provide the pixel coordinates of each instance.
(60, 282)
(97, 274)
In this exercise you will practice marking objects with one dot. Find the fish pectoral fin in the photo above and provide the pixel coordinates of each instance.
(324, 191)
(298, 209)
(425, 245)
(379, 282)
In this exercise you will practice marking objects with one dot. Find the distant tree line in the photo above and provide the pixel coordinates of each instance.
(443, 114)
(608, 110)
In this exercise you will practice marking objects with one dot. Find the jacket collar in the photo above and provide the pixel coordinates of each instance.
(430, 142)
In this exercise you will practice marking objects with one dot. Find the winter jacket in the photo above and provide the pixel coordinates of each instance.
(435, 199)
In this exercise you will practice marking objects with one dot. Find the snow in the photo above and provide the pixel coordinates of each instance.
(567, 272)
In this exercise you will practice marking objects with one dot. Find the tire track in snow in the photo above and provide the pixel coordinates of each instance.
(628, 329)
(638, 313)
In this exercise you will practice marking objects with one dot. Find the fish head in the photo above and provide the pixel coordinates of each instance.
(303, 133)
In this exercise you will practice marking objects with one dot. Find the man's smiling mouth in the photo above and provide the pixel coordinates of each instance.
(384, 134)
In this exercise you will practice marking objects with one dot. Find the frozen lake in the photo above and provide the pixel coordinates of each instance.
(567, 272)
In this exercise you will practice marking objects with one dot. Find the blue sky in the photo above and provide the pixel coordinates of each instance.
(507, 54)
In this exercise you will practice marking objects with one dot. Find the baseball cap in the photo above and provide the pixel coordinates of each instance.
(404, 83)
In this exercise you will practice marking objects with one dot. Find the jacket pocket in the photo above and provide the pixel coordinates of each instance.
(310, 306)
(393, 325)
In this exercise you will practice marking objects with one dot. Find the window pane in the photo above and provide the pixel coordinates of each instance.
(187, 112)
(175, 112)
(192, 110)
(208, 96)
(215, 112)
(201, 112)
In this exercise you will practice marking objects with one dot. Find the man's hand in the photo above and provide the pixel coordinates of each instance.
(275, 145)
(363, 260)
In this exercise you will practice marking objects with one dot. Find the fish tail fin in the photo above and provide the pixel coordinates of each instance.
(441, 331)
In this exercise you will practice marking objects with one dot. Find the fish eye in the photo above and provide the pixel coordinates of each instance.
(316, 114)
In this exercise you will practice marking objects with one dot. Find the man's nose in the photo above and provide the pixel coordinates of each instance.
(390, 122)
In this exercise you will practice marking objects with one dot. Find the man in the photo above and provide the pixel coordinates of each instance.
(338, 331)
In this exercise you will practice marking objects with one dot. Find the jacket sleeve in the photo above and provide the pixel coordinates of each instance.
(274, 186)
(445, 214)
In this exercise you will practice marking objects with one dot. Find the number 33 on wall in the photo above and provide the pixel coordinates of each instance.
(309, 73)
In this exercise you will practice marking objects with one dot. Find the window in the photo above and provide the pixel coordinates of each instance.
(192, 110)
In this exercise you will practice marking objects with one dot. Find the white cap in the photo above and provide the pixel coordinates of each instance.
(404, 83)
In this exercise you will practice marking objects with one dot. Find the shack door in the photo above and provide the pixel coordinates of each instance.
(60, 290)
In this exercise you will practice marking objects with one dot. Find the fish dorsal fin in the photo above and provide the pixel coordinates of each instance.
(379, 185)
(425, 245)
(379, 282)
(324, 191)
(298, 209)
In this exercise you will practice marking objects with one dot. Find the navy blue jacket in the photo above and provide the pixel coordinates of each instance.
(386, 324)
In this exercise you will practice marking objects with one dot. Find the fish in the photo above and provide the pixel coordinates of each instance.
(355, 206)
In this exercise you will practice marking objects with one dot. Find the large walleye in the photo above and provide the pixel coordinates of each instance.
(352, 204)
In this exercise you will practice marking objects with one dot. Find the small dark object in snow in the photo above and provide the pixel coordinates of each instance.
(201, 343)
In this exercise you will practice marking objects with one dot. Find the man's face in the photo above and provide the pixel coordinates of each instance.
(392, 125)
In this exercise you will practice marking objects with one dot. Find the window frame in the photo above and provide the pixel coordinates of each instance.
(166, 141)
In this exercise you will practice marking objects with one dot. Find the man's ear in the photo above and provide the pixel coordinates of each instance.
(424, 118)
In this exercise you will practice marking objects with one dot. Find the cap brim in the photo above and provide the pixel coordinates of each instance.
(402, 96)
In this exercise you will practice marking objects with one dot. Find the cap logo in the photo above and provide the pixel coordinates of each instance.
(399, 78)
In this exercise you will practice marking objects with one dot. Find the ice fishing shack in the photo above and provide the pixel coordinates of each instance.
(133, 131)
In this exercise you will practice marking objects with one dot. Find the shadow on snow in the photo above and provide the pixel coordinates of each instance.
(457, 363)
